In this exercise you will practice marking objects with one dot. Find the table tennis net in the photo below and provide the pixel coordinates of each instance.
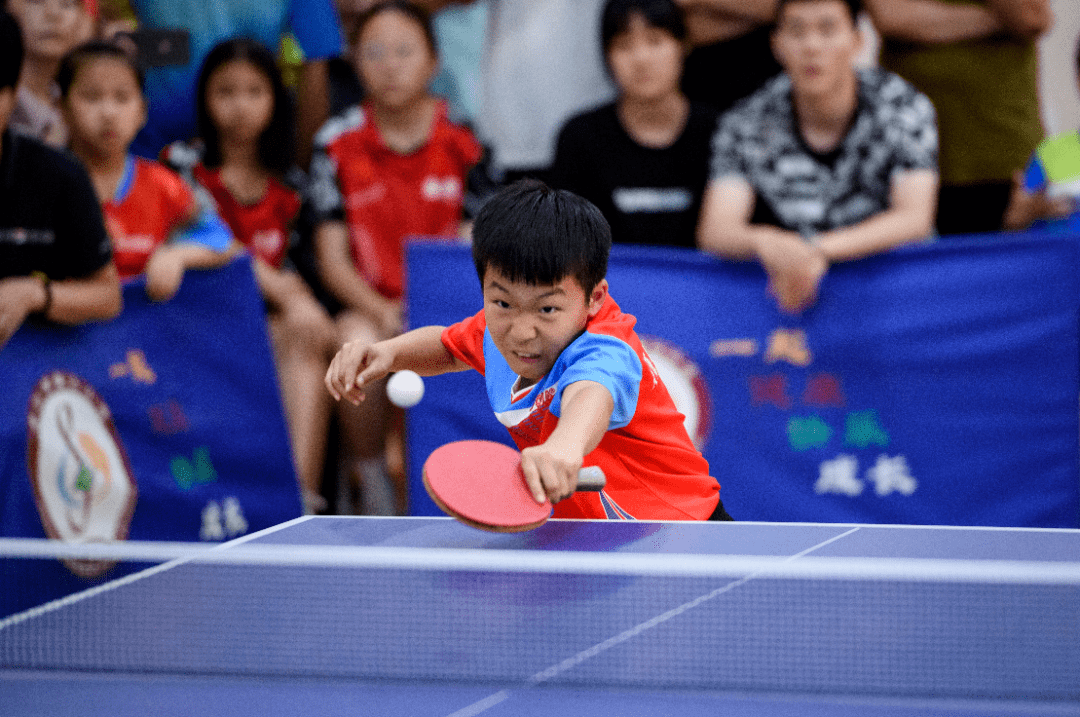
(850, 626)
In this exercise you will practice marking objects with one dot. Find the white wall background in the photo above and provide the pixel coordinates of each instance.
(1058, 89)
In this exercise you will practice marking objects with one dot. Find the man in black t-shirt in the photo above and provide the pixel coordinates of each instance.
(55, 256)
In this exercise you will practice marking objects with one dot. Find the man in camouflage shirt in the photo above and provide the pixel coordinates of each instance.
(825, 163)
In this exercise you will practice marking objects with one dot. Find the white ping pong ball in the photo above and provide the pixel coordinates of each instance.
(405, 389)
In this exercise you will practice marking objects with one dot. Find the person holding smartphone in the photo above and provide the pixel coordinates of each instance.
(186, 30)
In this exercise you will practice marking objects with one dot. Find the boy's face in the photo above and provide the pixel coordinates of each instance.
(104, 107)
(817, 42)
(532, 324)
(51, 27)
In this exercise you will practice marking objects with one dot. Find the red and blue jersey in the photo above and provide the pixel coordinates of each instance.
(153, 204)
(653, 469)
(262, 226)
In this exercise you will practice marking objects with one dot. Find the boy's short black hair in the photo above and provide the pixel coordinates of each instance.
(538, 235)
(663, 14)
(11, 51)
(854, 7)
(95, 50)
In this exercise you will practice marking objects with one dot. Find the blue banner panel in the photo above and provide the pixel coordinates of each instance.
(937, 384)
(164, 424)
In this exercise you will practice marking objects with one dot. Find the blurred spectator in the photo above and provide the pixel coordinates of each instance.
(644, 159)
(55, 257)
(392, 168)
(245, 125)
(156, 225)
(731, 56)
(541, 66)
(1047, 194)
(977, 62)
(343, 85)
(199, 25)
(50, 28)
(459, 34)
(825, 163)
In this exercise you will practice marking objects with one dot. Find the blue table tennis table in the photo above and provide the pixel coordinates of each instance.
(766, 635)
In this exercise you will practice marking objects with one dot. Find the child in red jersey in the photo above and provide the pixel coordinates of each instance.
(564, 368)
(245, 121)
(157, 226)
(391, 168)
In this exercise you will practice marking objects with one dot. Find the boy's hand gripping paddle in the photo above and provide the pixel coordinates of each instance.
(481, 484)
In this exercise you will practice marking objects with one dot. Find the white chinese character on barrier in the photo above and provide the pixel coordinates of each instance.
(235, 523)
(211, 523)
(839, 476)
(892, 474)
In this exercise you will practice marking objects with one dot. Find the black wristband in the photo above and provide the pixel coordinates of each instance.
(46, 284)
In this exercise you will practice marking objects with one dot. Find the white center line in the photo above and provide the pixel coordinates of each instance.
(571, 662)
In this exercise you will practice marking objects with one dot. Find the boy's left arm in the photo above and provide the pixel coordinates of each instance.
(551, 468)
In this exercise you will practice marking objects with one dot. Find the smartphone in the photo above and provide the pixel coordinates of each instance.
(160, 46)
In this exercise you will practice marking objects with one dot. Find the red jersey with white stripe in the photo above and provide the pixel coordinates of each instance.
(263, 227)
(387, 197)
(653, 469)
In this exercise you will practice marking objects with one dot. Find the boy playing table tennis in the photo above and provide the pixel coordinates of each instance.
(565, 372)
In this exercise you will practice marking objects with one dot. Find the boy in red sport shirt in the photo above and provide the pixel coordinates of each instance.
(565, 371)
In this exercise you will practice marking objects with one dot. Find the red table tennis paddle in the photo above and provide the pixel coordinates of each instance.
(481, 484)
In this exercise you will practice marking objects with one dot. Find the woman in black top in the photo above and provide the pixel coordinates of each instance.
(643, 160)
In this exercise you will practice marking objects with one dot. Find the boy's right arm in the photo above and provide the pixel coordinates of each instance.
(358, 364)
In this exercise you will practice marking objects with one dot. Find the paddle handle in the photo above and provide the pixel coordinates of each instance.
(591, 478)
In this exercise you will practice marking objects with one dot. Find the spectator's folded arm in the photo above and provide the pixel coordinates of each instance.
(909, 218)
(932, 21)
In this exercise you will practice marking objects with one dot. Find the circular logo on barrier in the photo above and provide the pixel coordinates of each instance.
(78, 467)
(685, 384)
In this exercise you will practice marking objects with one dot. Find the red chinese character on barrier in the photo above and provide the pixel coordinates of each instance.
(168, 418)
(770, 390)
(823, 389)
